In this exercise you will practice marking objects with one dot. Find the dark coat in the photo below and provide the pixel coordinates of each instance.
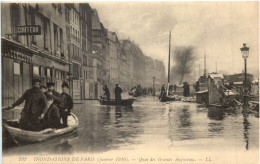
(52, 117)
(56, 97)
(118, 92)
(35, 102)
(163, 92)
(66, 102)
(35, 105)
(107, 93)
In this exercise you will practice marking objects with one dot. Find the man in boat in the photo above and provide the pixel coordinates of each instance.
(34, 109)
(55, 94)
(52, 117)
(66, 104)
(107, 93)
(118, 92)
(197, 86)
(163, 92)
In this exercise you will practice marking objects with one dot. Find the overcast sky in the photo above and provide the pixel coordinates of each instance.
(218, 29)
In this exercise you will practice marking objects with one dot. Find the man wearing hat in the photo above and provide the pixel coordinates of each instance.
(55, 94)
(66, 104)
(34, 109)
(118, 92)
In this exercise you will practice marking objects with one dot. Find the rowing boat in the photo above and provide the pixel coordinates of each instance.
(24, 136)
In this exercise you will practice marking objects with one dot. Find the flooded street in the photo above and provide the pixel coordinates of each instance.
(152, 125)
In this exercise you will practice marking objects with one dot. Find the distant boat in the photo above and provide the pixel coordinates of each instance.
(126, 102)
(25, 137)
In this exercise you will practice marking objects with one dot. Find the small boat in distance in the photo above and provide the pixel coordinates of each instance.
(25, 137)
(126, 102)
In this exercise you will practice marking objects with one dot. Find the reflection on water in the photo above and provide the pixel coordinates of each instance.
(246, 128)
(149, 122)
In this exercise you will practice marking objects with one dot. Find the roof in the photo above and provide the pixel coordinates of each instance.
(216, 75)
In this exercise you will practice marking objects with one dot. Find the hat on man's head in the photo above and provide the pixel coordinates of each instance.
(50, 84)
(35, 81)
(64, 84)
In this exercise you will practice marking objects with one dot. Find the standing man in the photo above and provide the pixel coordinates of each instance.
(118, 92)
(66, 104)
(34, 109)
(55, 94)
(107, 93)
(163, 92)
(197, 86)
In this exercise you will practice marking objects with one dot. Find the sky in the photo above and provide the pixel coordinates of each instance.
(217, 29)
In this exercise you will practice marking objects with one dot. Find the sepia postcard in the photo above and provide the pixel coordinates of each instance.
(130, 82)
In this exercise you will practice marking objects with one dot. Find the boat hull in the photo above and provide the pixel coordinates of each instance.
(26, 137)
(167, 98)
(127, 102)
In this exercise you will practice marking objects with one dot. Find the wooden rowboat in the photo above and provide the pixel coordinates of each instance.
(24, 136)
(126, 102)
(166, 98)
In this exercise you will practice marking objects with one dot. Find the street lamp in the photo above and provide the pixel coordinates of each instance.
(245, 54)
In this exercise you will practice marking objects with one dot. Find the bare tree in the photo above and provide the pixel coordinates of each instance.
(183, 58)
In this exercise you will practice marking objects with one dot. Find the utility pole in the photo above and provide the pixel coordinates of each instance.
(169, 61)
(199, 70)
(205, 67)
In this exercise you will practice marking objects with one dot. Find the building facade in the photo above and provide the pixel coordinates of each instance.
(26, 54)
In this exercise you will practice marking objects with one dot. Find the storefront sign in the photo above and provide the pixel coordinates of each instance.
(18, 56)
(29, 30)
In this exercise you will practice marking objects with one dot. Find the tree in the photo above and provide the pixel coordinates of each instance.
(183, 58)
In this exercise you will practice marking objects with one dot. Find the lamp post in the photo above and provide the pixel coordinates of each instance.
(245, 54)
(153, 86)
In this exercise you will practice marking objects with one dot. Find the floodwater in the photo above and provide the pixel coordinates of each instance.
(152, 125)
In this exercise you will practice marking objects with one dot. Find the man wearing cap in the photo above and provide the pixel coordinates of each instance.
(66, 104)
(55, 94)
(118, 92)
(34, 109)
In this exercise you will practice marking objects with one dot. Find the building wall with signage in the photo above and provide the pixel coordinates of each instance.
(32, 53)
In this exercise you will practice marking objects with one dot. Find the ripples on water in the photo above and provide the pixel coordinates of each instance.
(154, 125)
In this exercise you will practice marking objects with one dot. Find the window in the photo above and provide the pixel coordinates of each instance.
(48, 72)
(36, 70)
(15, 18)
(58, 40)
(17, 68)
(32, 21)
(67, 15)
(45, 31)
(42, 71)
(59, 8)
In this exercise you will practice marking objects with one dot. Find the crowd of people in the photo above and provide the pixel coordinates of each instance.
(44, 107)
